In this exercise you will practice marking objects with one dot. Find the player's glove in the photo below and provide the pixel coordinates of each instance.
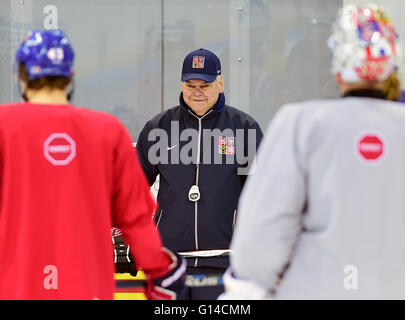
(123, 259)
(171, 285)
(241, 289)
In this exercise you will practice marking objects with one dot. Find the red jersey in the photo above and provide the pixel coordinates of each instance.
(67, 175)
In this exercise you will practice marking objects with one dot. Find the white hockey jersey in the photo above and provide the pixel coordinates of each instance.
(327, 200)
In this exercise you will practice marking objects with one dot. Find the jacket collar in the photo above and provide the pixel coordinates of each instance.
(366, 93)
(218, 107)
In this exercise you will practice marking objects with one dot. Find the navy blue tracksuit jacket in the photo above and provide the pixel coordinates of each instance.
(210, 151)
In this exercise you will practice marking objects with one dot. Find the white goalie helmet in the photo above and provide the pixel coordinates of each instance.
(364, 44)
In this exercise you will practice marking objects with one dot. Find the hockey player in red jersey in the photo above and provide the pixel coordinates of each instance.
(67, 175)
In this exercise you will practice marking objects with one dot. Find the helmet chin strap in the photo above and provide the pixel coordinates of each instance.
(22, 93)
(71, 91)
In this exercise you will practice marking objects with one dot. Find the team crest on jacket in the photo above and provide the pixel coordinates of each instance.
(371, 147)
(226, 145)
(198, 62)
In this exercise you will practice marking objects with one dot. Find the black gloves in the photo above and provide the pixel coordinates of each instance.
(123, 259)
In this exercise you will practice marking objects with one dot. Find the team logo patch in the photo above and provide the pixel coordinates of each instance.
(198, 62)
(370, 147)
(226, 145)
(59, 149)
(55, 54)
(115, 232)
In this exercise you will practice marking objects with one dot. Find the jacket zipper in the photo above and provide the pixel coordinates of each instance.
(196, 182)
(233, 221)
(160, 217)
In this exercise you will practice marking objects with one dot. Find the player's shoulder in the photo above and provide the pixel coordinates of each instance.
(310, 108)
(7, 107)
(101, 123)
(347, 105)
(307, 112)
(307, 105)
(97, 116)
(58, 109)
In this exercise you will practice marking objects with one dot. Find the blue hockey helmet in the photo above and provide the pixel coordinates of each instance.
(46, 53)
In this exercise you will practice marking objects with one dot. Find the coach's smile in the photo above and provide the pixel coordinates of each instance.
(200, 95)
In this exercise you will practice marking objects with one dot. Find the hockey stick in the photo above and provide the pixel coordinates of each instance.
(195, 280)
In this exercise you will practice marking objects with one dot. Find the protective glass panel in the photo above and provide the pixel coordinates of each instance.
(271, 51)
(129, 53)
(117, 66)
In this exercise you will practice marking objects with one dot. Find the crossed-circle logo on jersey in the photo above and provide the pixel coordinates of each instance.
(371, 147)
(59, 149)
